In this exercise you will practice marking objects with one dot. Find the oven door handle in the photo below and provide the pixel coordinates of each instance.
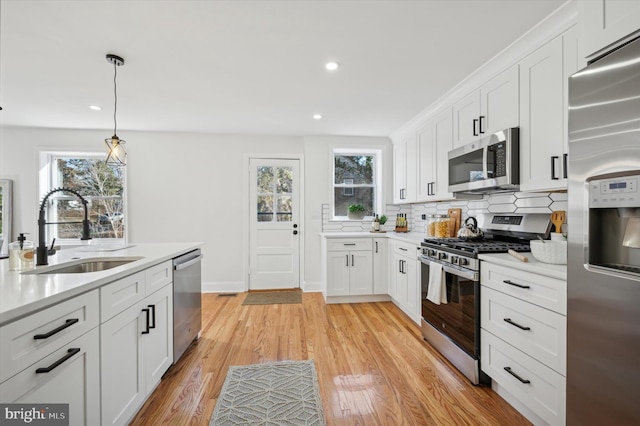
(470, 275)
(485, 165)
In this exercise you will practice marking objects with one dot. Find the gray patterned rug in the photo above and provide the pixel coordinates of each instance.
(277, 393)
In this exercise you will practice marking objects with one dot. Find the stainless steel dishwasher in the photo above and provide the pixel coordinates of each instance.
(187, 302)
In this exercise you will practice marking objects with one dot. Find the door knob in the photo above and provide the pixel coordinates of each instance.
(295, 232)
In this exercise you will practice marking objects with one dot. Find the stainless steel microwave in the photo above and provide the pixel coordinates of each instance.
(487, 165)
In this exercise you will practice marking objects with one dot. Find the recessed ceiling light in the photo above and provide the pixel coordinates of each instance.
(317, 117)
(95, 107)
(332, 66)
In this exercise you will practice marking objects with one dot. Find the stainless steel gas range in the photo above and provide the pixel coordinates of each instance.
(451, 322)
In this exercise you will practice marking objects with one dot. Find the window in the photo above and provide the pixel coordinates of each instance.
(102, 185)
(356, 175)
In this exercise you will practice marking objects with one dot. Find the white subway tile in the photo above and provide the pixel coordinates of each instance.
(533, 202)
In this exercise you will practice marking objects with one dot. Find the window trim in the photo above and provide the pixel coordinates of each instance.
(46, 181)
(377, 179)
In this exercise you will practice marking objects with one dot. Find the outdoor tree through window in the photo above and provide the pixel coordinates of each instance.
(354, 182)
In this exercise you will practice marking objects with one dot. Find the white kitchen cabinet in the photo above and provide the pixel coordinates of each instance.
(349, 267)
(136, 349)
(435, 140)
(493, 107)
(380, 265)
(405, 279)
(523, 338)
(405, 165)
(75, 381)
(543, 105)
(605, 22)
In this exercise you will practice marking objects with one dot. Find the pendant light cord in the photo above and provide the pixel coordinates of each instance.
(115, 95)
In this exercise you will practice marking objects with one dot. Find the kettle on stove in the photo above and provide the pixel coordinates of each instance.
(470, 231)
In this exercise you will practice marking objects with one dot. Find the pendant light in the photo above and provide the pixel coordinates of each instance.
(117, 155)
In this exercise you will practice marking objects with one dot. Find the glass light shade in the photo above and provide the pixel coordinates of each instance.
(116, 153)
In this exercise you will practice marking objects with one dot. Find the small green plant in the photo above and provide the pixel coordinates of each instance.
(383, 220)
(354, 208)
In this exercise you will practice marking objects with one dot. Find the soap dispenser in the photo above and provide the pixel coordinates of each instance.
(21, 254)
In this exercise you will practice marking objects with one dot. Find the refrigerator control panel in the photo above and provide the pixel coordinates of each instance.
(616, 192)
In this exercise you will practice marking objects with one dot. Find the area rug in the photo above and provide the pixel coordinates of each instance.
(274, 394)
(273, 298)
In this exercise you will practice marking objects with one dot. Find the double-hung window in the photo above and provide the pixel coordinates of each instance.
(356, 180)
(102, 185)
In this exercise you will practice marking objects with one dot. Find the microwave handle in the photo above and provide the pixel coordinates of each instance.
(485, 155)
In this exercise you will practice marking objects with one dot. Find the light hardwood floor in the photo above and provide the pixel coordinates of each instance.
(373, 366)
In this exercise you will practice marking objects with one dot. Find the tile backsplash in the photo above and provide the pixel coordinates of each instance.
(503, 202)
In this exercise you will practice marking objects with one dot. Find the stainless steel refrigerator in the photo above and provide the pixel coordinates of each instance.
(603, 315)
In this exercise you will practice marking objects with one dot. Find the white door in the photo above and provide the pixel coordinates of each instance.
(274, 217)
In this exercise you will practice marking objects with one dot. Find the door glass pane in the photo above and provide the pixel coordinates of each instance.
(285, 180)
(265, 179)
(284, 208)
(265, 208)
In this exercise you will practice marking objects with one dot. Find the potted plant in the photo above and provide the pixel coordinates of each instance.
(383, 220)
(356, 212)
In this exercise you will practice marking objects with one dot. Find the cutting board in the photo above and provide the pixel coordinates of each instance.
(454, 221)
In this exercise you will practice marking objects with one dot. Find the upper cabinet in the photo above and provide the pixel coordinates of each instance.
(435, 140)
(543, 110)
(405, 165)
(604, 22)
(493, 107)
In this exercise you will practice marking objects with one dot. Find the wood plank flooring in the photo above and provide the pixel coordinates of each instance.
(373, 366)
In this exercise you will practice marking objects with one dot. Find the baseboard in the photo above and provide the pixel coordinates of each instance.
(312, 286)
(223, 287)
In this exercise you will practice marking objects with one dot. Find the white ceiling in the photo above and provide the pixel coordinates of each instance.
(245, 66)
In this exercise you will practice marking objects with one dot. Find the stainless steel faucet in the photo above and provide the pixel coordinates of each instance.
(42, 252)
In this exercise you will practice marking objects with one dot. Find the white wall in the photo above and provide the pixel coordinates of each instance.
(188, 187)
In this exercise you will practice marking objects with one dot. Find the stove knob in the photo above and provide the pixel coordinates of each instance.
(442, 256)
(431, 252)
(463, 262)
(455, 259)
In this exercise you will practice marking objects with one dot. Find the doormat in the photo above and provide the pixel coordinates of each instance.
(273, 298)
(276, 393)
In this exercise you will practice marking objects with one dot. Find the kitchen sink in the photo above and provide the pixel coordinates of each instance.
(83, 266)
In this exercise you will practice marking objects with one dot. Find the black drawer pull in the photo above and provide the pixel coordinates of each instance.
(516, 324)
(146, 311)
(403, 249)
(349, 244)
(70, 352)
(68, 323)
(508, 370)
(153, 316)
(515, 284)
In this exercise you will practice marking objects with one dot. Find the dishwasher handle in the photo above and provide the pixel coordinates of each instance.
(180, 266)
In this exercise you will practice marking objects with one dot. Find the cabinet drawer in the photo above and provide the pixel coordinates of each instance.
(20, 348)
(545, 336)
(545, 392)
(158, 276)
(351, 244)
(119, 295)
(405, 249)
(543, 291)
(76, 381)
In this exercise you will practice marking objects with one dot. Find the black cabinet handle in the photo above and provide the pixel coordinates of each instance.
(508, 370)
(146, 311)
(352, 261)
(480, 124)
(553, 167)
(153, 316)
(349, 244)
(400, 266)
(68, 323)
(376, 246)
(521, 327)
(564, 165)
(347, 256)
(515, 284)
(475, 122)
(70, 352)
(403, 249)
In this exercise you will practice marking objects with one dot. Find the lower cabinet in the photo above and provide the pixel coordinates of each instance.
(404, 286)
(380, 266)
(350, 273)
(69, 375)
(136, 349)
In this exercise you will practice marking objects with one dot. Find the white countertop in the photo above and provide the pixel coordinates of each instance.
(22, 294)
(546, 269)
(410, 237)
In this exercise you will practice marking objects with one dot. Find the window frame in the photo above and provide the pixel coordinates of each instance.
(376, 185)
(49, 180)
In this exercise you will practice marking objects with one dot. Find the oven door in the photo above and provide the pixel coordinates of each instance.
(459, 319)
